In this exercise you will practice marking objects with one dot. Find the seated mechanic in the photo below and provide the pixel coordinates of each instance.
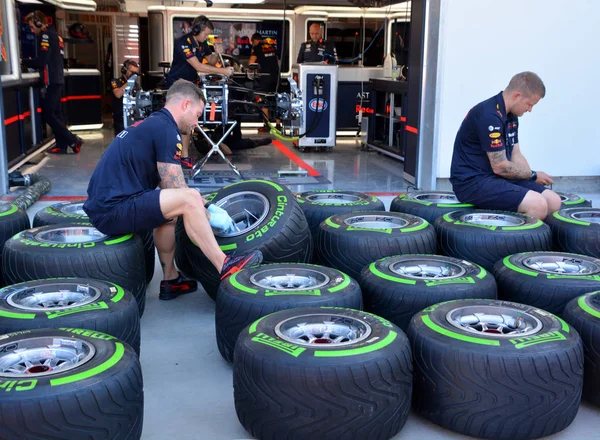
(488, 168)
(123, 194)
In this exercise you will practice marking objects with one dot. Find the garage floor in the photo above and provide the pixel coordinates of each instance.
(188, 386)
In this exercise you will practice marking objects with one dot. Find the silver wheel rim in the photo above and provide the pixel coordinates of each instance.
(371, 221)
(492, 219)
(44, 356)
(437, 198)
(5, 207)
(333, 198)
(73, 234)
(52, 297)
(499, 321)
(323, 330)
(564, 266)
(289, 280)
(427, 269)
(246, 208)
(72, 209)
(587, 216)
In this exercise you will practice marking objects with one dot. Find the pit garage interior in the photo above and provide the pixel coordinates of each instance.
(390, 133)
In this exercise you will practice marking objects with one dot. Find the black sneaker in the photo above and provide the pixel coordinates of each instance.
(235, 264)
(173, 288)
(76, 147)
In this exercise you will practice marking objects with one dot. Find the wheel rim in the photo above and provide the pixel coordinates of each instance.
(437, 198)
(499, 321)
(492, 219)
(74, 234)
(72, 209)
(323, 329)
(587, 216)
(44, 356)
(333, 198)
(421, 268)
(558, 265)
(246, 208)
(53, 296)
(371, 221)
(289, 279)
(5, 207)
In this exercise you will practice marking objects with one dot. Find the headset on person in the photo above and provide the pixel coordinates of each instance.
(199, 24)
(35, 18)
(126, 64)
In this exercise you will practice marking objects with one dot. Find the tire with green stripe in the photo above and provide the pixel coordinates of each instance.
(267, 218)
(495, 369)
(429, 205)
(320, 204)
(569, 200)
(546, 280)
(576, 230)
(71, 302)
(252, 293)
(485, 237)
(583, 314)
(322, 372)
(351, 241)
(69, 384)
(77, 250)
(397, 287)
(72, 212)
(12, 221)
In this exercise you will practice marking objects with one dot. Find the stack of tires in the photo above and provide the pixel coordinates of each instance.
(70, 329)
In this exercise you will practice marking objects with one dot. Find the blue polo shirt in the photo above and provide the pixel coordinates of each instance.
(184, 48)
(486, 128)
(128, 166)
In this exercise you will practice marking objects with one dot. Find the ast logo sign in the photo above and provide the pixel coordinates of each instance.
(322, 105)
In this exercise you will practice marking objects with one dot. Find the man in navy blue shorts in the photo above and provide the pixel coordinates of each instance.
(488, 168)
(123, 195)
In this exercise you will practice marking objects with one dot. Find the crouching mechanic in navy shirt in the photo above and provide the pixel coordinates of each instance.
(123, 195)
(188, 52)
(488, 168)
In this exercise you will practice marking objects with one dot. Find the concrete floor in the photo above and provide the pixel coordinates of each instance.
(188, 386)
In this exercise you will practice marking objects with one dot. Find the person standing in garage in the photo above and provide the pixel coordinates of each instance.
(488, 168)
(188, 52)
(316, 49)
(50, 63)
(123, 195)
(266, 57)
(118, 86)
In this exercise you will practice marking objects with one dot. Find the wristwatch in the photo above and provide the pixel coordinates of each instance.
(533, 176)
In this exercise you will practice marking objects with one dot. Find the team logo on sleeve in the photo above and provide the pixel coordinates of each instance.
(495, 135)
(177, 155)
(113, 84)
(496, 143)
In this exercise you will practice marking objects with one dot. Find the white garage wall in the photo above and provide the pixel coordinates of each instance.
(484, 42)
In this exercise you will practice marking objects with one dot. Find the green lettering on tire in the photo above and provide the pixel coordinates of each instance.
(254, 325)
(557, 216)
(436, 328)
(416, 228)
(235, 283)
(116, 357)
(537, 224)
(118, 239)
(274, 185)
(15, 315)
(355, 351)
(511, 266)
(385, 276)
(584, 306)
(328, 222)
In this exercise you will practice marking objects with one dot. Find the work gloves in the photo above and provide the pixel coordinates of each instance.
(219, 219)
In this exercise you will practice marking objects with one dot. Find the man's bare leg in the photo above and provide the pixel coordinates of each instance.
(190, 204)
(534, 204)
(164, 240)
(553, 200)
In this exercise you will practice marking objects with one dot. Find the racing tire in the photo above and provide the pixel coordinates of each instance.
(12, 221)
(77, 384)
(77, 250)
(72, 212)
(252, 293)
(320, 204)
(484, 237)
(351, 241)
(397, 287)
(429, 205)
(71, 302)
(473, 378)
(546, 280)
(268, 218)
(576, 230)
(583, 314)
(285, 387)
(569, 200)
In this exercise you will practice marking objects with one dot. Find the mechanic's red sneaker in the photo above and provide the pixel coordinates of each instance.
(235, 264)
(173, 288)
(76, 147)
(187, 163)
(57, 150)
(264, 129)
